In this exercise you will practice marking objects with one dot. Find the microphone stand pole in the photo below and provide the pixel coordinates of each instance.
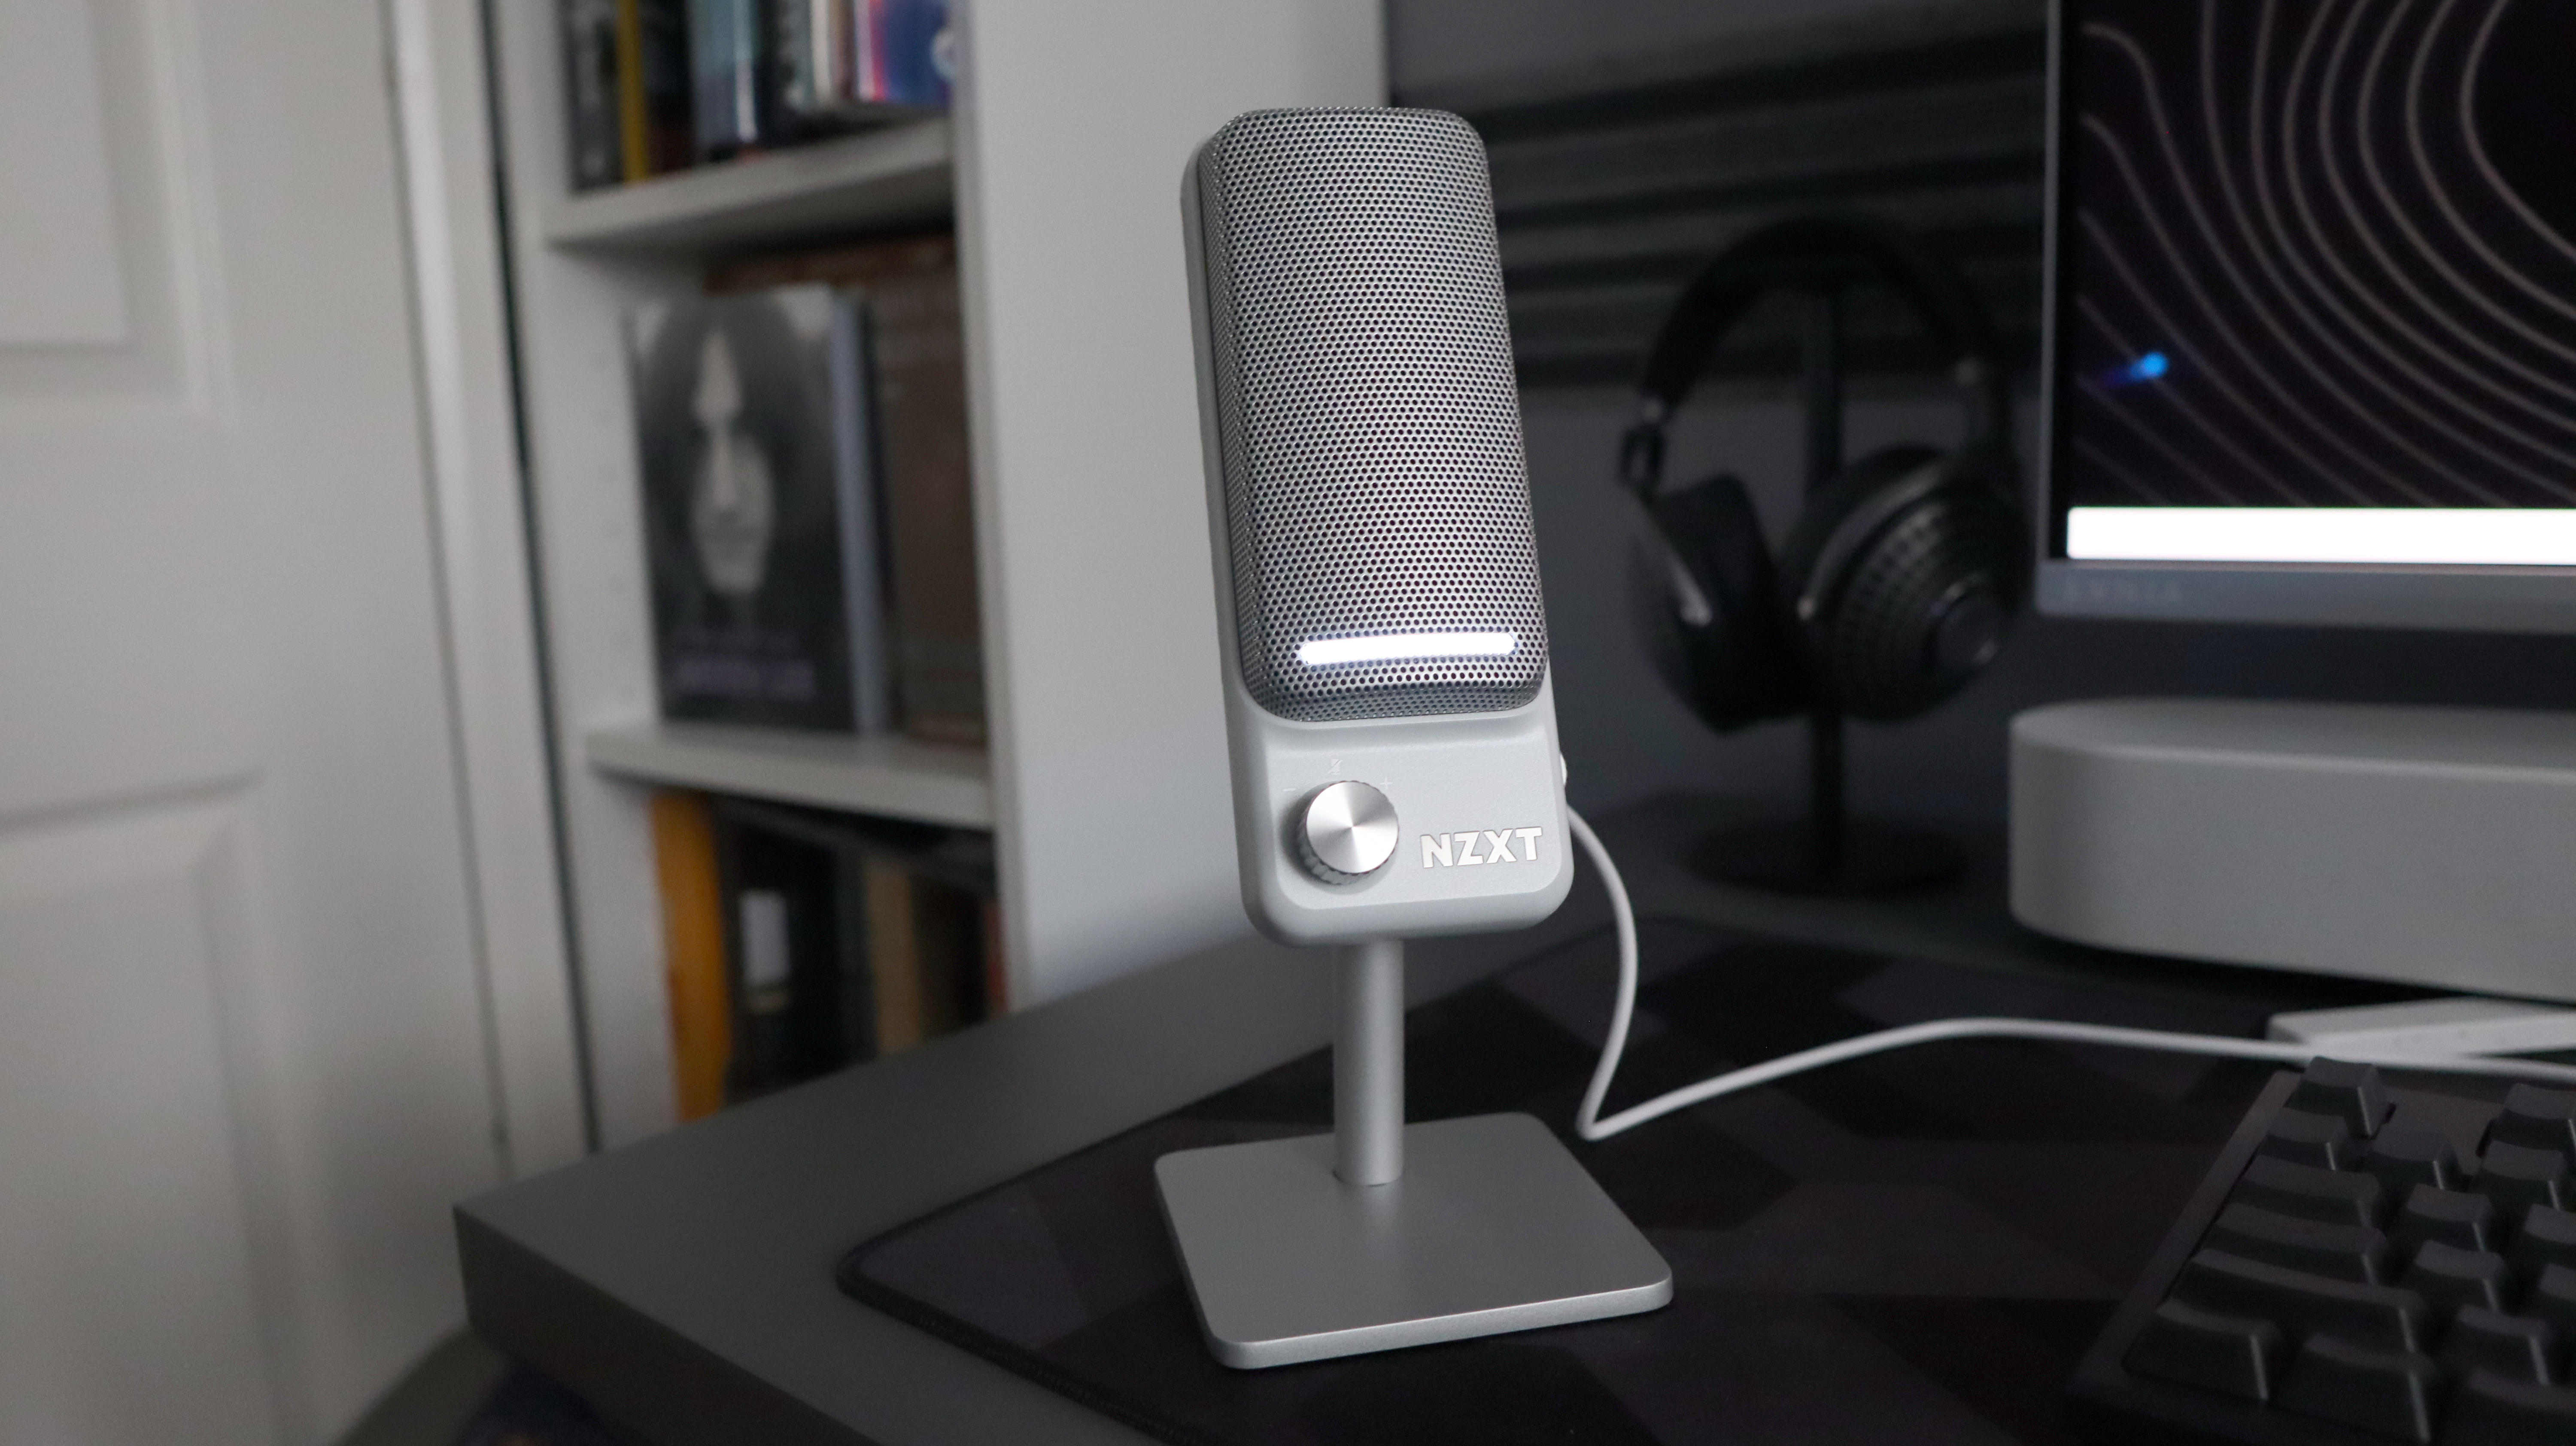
(1368, 1065)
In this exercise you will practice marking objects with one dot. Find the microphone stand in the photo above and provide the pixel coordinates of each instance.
(1383, 1234)
(1368, 1065)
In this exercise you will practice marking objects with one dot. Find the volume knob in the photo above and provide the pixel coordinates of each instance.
(1345, 831)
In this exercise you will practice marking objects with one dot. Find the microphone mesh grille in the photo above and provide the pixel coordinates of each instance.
(1368, 419)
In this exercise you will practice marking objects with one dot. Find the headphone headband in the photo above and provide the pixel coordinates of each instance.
(1812, 249)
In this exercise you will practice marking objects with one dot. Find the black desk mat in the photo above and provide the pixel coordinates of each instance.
(1916, 1248)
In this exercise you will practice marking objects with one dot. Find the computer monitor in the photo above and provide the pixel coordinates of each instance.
(2311, 350)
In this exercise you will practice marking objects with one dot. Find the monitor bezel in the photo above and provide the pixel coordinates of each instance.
(2478, 599)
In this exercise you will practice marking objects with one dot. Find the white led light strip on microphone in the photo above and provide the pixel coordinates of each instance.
(1388, 647)
(1589, 1124)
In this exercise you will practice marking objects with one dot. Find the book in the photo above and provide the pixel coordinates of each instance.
(684, 857)
(845, 63)
(760, 500)
(931, 959)
(997, 972)
(910, 1002)
(797, 979)
(917, 330)
(916, 340)
(857, 465)
(848, 938)
(653, 87)
(732, 62)
(597, 155)
(807, 34)
(903, 53)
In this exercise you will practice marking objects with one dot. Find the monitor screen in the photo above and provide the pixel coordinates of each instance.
(2313, 306)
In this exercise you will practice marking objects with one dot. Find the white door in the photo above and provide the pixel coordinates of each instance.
(243, 1056)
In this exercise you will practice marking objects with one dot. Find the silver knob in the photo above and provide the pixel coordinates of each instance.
(1345, 831)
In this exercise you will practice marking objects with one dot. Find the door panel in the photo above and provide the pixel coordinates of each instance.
(127, 1305)
(60, 225)
(107, 171)
(241, 1020)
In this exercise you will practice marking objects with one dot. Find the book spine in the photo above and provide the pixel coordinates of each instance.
(592, 79)
(693, 929)
(662, 50)
(765, 1022)
(903, 1011)
(914, 75)
(845, 83)
(944, 940)
(997, 973)
(862, 539)
(634, 114)
(855, 981)
(919, 351)
(729, 54)
(867, 17)
(818, 50)
(792, 48)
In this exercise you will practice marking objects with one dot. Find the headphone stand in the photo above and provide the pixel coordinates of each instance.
(1829, 852)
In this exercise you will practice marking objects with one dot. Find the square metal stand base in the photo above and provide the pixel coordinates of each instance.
(1492, 1227)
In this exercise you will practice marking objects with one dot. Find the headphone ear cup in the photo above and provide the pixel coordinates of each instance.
(1722, 640)
(1657, 613)
(1914, 583)
(1820, 521)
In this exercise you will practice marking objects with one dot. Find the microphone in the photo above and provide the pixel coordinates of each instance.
(1392, 730)
(1386, 682)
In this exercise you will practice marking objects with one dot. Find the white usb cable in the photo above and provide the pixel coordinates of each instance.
(1589, 1124)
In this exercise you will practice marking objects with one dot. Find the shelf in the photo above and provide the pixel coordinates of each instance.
(874, 179)
(891, 777)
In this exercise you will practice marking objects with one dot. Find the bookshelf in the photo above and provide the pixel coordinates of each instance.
(889, 776)
(880, 179)
(1059, 168)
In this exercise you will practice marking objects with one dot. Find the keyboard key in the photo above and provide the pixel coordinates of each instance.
(2240, 1358)
(2536, 1118)
(2450, 1278)
(2336, 1087)
(2553, 1298)
(2346, 1197)
(2324, 1141)
(2387, 1393)
(2365, 1276)
(2509, 1345)
(2381, 1316)
(2518, 1177)
(2346, 1252)
(2547, 1237)
(2453, 1217)
(2494, 1410)
(2405, 1156)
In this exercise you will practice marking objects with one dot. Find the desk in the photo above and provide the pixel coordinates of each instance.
(684, 1285)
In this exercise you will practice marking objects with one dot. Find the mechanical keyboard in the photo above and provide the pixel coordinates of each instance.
(2365, 1263)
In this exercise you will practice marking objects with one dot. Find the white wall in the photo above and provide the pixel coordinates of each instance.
(1099, 610)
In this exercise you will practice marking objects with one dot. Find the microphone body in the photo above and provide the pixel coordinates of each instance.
(1387, 698)
(1394, 741)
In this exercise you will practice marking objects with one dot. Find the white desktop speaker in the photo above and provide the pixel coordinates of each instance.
(1393, 737)
(2432, 846)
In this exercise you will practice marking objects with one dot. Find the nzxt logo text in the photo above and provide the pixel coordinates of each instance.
(1457, 850)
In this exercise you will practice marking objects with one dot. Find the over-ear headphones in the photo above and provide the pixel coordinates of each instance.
(1903, 572)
